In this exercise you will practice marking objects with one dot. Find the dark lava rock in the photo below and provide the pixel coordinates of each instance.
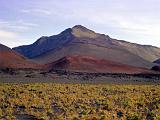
(156, 68)
(26, 117)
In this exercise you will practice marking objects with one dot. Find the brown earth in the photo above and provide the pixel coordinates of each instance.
(90, 64)
(10, 59)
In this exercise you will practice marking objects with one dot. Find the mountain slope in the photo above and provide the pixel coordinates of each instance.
(147, 52)
(89, 64)
(11, 59)
(82, 41)
(117, 55)
(44, 44)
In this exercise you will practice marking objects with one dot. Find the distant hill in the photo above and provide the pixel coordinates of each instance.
(10, 59)
(89, 64)
(84, 42)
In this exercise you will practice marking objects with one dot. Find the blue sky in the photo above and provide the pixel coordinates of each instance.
(24, 21)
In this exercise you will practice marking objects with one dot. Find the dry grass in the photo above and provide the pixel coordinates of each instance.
(80, 101)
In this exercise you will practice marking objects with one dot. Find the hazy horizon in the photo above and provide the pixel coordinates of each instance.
(23, 22)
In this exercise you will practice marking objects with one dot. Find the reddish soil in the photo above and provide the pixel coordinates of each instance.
(10, 59)
(90, 64)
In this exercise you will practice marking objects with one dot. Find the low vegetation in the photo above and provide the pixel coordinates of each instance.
(79, 101)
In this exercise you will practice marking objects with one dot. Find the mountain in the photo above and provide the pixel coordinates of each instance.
(81, 41)
(90, 64)
(10, 59)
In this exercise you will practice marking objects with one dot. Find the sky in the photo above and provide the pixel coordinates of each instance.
(22, 22)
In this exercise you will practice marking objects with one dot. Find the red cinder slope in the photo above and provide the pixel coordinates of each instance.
(10, 59)
(90, 64)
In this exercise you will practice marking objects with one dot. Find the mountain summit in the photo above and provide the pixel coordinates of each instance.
(82, 41)
(81, 31)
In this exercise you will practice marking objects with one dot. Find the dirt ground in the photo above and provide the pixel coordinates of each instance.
(31, 76)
